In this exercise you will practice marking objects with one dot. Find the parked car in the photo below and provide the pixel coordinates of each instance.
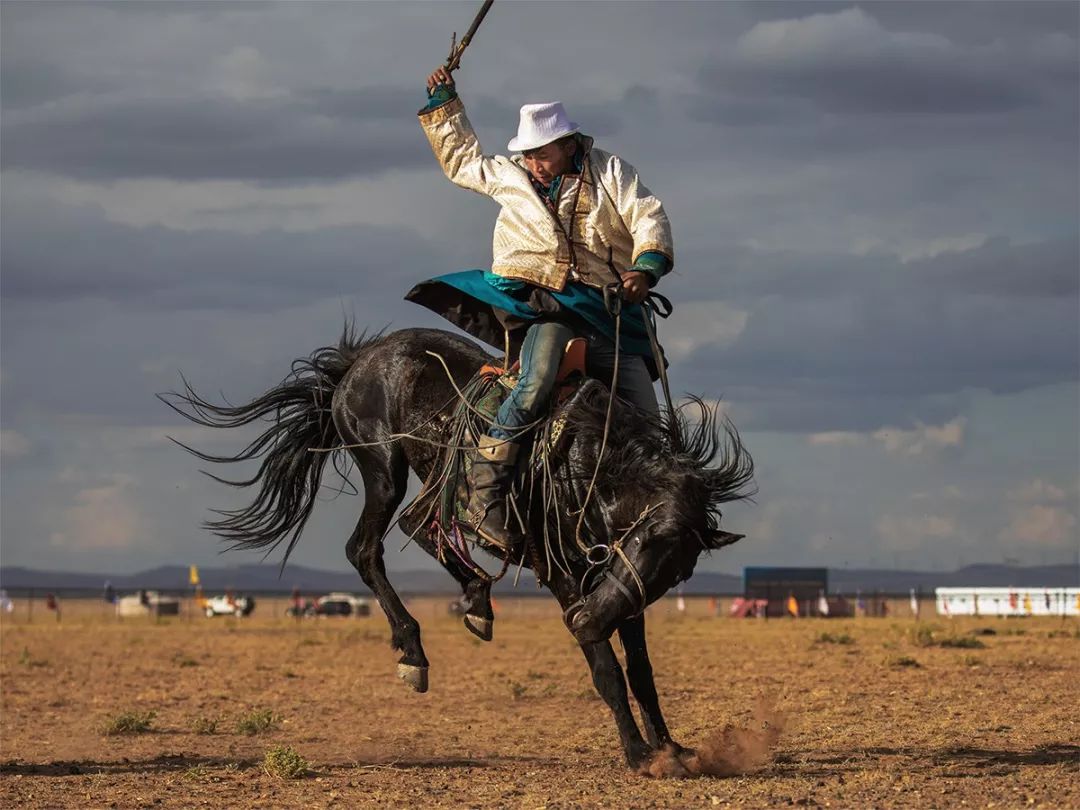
(228, 606)
(342, 604)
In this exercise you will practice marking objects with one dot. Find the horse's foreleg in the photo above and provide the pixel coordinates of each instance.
(608, 679)
(385, 478)
(640, 675)
(476, 592)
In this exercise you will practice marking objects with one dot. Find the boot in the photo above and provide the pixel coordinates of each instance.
(492, 474)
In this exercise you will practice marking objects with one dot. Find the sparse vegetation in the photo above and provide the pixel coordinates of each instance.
(283, 762)
(923, 635)
(26, 660)
(1063, 633)
(962, 643)
(905, 661)
(257, 721)
(130, 723)
(518, 690)
(205, 725)
(196, 772)
(834, 638)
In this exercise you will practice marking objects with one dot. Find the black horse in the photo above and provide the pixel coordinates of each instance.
(387, 402)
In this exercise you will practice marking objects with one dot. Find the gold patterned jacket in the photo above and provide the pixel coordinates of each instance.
(606, 216)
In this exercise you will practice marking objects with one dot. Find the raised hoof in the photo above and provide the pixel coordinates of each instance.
(481, 628)
(414, 677)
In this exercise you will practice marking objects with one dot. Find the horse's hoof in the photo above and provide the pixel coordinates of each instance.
(479, 627)
(414, 677)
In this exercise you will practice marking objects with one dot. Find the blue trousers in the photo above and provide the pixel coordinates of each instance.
(541, 354)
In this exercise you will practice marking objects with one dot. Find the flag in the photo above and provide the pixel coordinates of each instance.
(822, 604)
(792, 606)
(193, 575)
(914, 603)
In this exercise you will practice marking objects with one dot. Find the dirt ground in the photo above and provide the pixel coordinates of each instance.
(878, 713)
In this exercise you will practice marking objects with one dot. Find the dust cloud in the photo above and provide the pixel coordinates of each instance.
(728, 751)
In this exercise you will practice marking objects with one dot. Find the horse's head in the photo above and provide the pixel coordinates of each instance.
(654, 508)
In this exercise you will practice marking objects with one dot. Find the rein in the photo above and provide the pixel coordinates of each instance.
(600, 558)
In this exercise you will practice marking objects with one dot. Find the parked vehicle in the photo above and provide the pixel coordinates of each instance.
(342, 604)
(228, 606)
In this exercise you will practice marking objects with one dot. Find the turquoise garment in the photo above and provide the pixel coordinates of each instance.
(439, 96)
(586, 303)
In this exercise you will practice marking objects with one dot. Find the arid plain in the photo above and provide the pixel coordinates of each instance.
(876, 712)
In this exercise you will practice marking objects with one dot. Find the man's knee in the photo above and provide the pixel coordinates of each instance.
(535, 383)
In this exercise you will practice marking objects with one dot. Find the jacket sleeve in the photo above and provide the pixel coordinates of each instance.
(457, 149)
(641, 212)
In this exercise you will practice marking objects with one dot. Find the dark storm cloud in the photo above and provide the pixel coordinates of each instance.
(74, 252)
(848, 62)
(308, 135)
(997, 268)
(321, 133)
(851, 343)
(959, 20)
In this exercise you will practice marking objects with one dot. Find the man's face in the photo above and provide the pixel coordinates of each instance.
(549, 161)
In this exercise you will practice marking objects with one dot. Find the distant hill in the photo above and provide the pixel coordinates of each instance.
(265, 578)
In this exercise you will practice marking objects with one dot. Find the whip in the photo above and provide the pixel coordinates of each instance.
(453, 62)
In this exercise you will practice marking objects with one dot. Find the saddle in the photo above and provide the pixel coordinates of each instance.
(440, 510)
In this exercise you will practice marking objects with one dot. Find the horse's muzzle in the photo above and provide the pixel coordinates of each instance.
(590, 624)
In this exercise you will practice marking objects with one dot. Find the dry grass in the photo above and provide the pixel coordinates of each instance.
(257, 721)
(282, 762)
(893, 720)
(129, 723)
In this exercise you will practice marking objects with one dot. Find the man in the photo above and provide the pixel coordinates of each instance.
(573, 220)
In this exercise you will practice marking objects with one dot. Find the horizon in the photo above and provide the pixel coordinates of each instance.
(874, 207)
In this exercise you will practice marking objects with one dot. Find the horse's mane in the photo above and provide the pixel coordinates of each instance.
(695, 442)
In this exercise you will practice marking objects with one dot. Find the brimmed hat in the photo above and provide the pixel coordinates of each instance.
(541, 124)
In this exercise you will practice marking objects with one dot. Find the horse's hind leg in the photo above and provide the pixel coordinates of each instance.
(385, 476)
(476, 592)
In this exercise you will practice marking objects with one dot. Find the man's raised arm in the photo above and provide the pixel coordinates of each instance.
(452, 137)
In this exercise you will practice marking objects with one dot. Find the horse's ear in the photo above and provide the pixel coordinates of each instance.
(718, 538)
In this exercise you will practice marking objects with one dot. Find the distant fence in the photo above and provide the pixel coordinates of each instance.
(33, 604)
(1007, 601)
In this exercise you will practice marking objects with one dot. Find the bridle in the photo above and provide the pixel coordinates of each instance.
(601, 557)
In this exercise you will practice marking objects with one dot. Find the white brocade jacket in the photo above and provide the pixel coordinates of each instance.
(606, 217)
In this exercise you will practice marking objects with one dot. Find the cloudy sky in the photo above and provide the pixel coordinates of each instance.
(875, 212)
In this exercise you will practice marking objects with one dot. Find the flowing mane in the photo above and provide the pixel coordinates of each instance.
(695, 442)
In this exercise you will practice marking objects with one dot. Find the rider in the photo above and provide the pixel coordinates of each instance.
(573, 220)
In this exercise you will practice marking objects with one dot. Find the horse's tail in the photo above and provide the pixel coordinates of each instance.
(293, 450)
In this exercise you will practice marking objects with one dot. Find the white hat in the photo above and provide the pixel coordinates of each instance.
(540, 125)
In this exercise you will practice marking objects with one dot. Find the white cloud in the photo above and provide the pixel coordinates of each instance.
(101, 518)
(14, 444)
(911, 531)
(1041, 525)
(699, 324)
(837, 438)
(1037, 491)
(922, 439)
(842, 37)
(912, 248)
